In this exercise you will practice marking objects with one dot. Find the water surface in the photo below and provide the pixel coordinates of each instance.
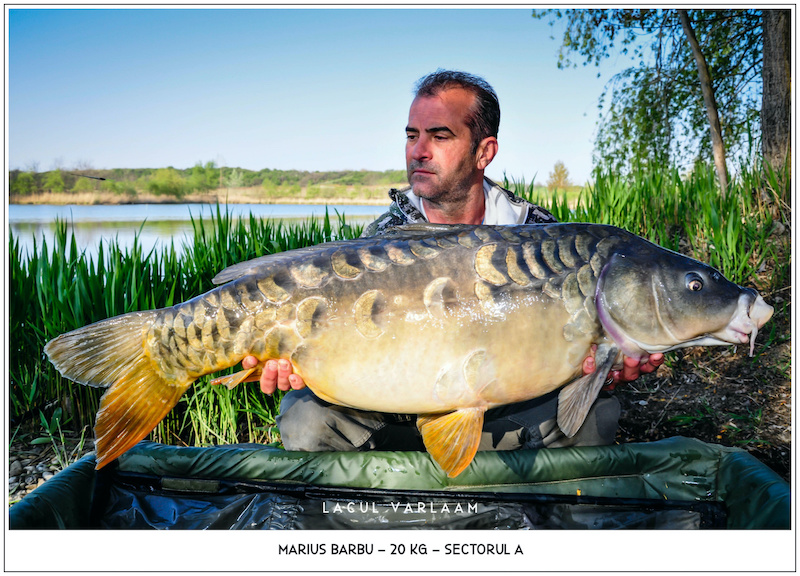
(156, 224)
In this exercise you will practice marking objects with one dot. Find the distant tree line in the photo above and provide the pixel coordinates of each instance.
(197, 179)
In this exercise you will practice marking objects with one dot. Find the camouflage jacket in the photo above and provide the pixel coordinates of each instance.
(512, 209)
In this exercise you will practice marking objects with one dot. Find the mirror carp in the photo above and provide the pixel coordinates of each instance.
(440, 321)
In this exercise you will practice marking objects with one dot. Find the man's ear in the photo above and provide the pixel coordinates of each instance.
(486, 152)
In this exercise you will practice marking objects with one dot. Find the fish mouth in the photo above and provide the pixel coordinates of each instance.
(752, 312)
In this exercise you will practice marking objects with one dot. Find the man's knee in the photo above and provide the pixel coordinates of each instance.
(606, 420)
(303, 422)
(308, 424)
(599, 428)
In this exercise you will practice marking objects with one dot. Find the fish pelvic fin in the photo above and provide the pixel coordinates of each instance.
(576, 399)
(452, 439)
(111, 353)
(233, 380)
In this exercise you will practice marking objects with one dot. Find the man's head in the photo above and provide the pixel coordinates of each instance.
(483, 118)
(451, 137)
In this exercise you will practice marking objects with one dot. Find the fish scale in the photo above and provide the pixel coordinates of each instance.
(443, 322)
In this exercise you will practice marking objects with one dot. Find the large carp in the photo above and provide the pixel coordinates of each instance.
(440, 321)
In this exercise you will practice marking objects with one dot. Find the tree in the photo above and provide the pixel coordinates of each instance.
(167, 181)
(203, 177)
(235, 179)
(118, 187)
(710, 101)
(54, 181)
(83, 184)
(213, 175)
(656, 111)
(23, 185)
(776, 107)
(559, 177)
(269, 185)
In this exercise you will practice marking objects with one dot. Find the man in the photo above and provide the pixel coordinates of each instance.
(451, 138)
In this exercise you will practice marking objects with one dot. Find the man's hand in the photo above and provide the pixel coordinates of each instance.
(276, 375)
(631, 368)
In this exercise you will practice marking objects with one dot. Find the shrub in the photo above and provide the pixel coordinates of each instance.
(167, 182)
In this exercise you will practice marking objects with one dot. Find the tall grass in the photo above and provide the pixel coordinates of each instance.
(59, 288)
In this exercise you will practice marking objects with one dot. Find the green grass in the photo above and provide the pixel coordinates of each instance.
(58, 288)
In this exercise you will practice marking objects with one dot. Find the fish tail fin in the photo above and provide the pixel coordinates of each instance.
(130, 410)
(100, 353)
(111, 353)
(452, 439)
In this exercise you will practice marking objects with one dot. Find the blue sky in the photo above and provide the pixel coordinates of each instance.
(305, 89)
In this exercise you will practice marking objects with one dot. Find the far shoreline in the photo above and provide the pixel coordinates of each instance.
(104, 198)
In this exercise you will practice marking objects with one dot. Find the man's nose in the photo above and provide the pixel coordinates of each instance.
(420, 150)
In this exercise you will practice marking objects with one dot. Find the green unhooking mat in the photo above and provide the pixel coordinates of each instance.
(673, 483)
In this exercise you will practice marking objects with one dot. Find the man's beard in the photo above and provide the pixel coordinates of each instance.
(453, 189)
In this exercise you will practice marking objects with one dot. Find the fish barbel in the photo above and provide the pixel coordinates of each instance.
(440, 321)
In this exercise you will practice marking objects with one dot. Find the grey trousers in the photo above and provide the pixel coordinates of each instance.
(309, 424)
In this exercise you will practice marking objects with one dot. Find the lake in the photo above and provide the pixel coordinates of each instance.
(157, 224)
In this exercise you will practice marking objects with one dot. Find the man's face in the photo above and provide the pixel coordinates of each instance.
(439, 159)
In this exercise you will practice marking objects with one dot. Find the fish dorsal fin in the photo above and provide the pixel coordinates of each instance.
(452, 439)
(235, 271)
(576, 399)
(406, 231)
(242, 269)
(420, 229)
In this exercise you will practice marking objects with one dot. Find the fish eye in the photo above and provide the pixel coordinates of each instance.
(694, 282)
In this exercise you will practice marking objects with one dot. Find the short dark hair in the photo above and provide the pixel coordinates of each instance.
(484, 119)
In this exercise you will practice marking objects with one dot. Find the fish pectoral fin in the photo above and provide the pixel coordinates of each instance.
(452, 439)
(233, 380)
(576, 399)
